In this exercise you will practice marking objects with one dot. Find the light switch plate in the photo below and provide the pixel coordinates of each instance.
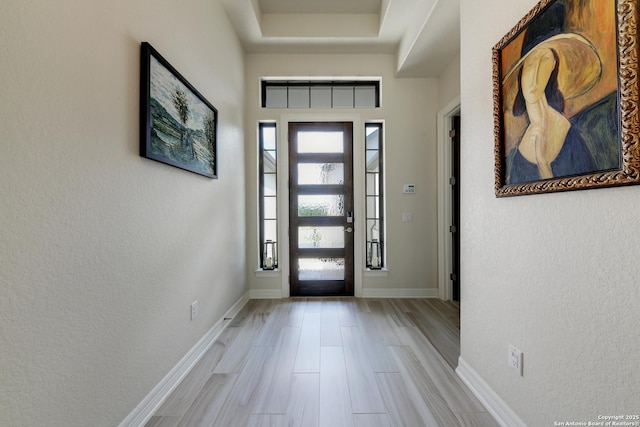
(409, 188)
(515, 359)
(195, 310)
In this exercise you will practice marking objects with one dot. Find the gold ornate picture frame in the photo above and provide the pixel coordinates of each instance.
(565, 93)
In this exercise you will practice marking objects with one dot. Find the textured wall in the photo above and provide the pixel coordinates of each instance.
(101, 251)
(409, 111)
(449, 84)
(556, 275)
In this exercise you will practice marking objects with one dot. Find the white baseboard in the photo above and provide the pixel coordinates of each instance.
(400, 293)
(491, 401)
(265, 294)
(366, 293)
(145, 409)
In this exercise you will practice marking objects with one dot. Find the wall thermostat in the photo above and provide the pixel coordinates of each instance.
(409, 188)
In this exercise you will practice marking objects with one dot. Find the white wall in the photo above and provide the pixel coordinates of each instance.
(556, 275)
(449, 84)
(409, 108)
(101, 251)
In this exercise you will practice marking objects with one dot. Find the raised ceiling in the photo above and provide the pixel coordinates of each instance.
(424, 35)
(324, 6)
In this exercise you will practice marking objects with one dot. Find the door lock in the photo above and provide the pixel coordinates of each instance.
(348, 229)
(349, 217)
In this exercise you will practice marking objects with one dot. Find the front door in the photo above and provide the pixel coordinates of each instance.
(321, 208)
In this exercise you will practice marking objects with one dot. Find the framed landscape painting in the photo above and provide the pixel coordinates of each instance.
(565, 91)
(177, 124)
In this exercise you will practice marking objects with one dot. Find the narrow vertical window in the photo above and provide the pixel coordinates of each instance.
(268, 197)
(374, 196)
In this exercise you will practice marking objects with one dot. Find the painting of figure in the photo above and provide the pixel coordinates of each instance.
(559, 94)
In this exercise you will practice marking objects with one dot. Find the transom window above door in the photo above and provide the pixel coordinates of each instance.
(321, 94)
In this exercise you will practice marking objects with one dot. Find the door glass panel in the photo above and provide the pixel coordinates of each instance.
(320, 173)
(321, 205)
(373, 228)
(321, 268)
(269, 161)
(271, 230)
(269, 139)
(269, 184)
(270, 208)
(276, 97)
(373, 162)
(320, 97)
(373, 184)
(365, 96)
(343, 97)
(320, 237)
(320, 142)
(298, 97)
(373, 137)
(372, 206)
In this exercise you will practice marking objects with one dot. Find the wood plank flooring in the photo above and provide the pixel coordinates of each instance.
(330, 362)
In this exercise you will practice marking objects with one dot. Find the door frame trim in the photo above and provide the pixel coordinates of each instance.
(445, 263)
(358, 191)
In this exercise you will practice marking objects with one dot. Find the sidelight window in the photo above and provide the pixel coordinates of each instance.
(374, 196)
(268, 195)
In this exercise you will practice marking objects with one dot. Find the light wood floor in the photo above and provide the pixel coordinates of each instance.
(331, 363)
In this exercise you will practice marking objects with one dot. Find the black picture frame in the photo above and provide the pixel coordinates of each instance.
(178, 126)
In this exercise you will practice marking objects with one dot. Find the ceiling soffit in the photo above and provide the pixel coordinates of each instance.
(424, 34)
(319, 6)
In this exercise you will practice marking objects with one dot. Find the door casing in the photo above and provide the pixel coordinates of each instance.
(358, 191)
(321, 287)
(445, 198)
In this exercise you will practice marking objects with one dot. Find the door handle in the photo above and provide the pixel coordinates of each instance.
(348, 229)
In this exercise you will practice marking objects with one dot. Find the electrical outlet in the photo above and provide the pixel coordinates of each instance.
(515, 359)
(195, 309)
